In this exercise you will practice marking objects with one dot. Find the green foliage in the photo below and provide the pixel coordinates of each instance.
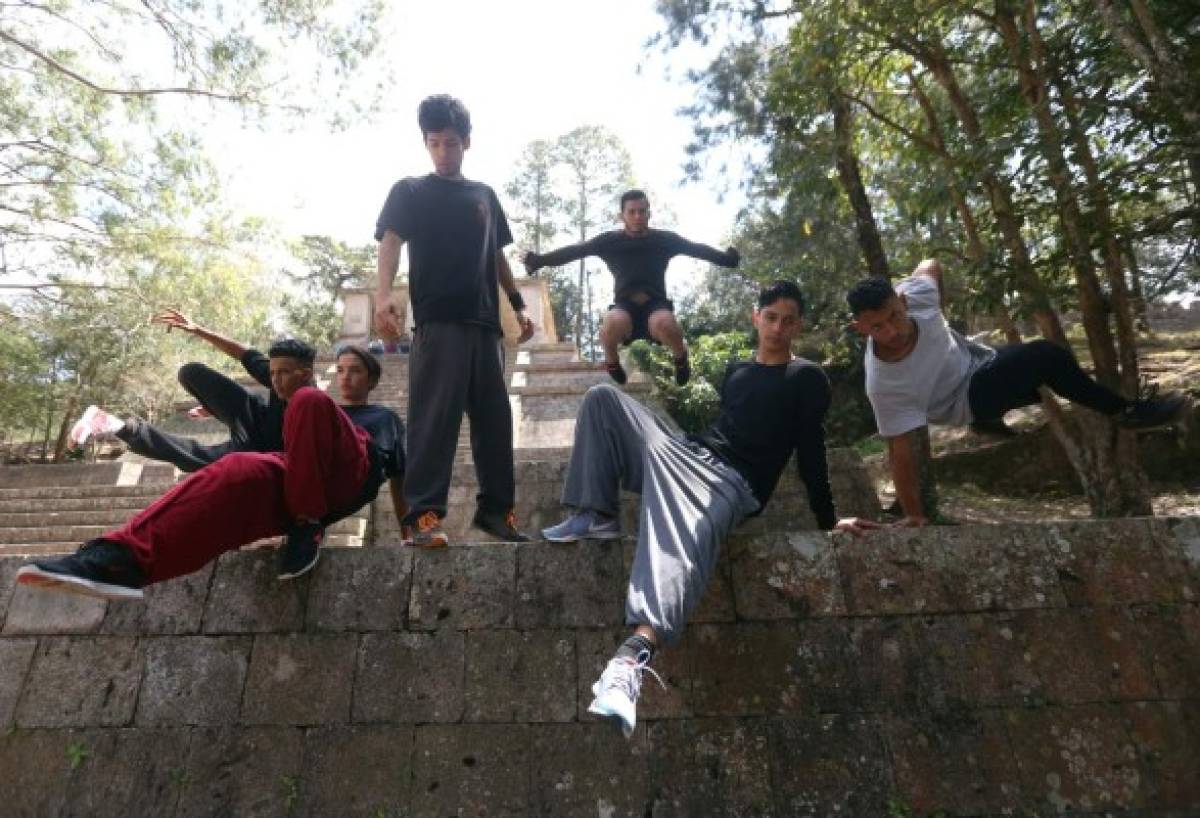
(695, 405)
(313, 311)
(77, 753)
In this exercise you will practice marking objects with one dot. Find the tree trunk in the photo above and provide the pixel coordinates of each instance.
(64, 428)
(1136, 292)
(850, 175)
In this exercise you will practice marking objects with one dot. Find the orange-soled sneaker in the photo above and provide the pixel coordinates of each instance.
(501, 526)
(429, 533)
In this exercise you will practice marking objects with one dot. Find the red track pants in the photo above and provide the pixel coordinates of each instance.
(246, 496)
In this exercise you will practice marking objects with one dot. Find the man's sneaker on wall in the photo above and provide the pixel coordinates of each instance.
(616, 691)
(1152, 413)
(301, 550)
(616, 372)
(94, 422)
(503, 526)
(584, 525)
(99, 568)
(428, 532)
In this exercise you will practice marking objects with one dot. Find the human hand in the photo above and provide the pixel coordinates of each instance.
(527, 327)
(856, 525)
(911, 521)
(386, 319)
(174, 319)
(531, 260)
(198, 413)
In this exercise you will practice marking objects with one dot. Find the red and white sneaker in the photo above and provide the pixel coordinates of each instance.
(95, 422)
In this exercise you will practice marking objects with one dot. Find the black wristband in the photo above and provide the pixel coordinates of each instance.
(514, 298)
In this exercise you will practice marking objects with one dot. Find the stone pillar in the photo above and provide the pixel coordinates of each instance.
(536, 293)
(358, 311)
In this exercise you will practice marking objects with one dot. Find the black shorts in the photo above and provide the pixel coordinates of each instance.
(640, 314)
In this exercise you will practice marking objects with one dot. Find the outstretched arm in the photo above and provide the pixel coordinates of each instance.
(174, 319)
(727, 258)
(556, 258)
(903, 451)
(932, 268)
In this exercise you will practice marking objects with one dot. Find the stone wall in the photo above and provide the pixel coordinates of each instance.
(1013, 670)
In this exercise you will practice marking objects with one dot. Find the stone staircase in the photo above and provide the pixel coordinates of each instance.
(967, 671)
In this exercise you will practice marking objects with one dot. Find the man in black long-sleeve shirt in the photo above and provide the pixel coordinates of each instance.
(638, 258)
(695, 490)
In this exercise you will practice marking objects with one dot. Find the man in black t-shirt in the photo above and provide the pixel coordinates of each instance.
(333, 462)
(694, 491)
(255, 424)
(638, 258)
(455, 230)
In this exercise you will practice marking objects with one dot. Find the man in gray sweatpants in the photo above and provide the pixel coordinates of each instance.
(695, 490)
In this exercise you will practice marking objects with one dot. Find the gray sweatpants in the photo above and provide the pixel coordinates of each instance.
(455, 368)
(690, 503)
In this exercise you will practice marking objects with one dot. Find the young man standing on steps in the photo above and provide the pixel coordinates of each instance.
(334, 461)
(638, 257)
(920, 372)
(255, 424)
(694, 491)
(455, 230)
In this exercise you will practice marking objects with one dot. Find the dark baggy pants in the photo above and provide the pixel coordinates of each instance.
(455, 368)
(690, 502)
(1011, 380)
(246, 496)
(226, 400)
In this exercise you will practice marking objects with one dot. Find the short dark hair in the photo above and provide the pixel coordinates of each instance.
(633, 195)
(374, 370)
(293, 348)
(782, 288)
(869, 294)
(442, 111)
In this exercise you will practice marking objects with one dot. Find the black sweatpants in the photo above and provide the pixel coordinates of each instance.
(455, 368)
(226, 400)
(1011, 380)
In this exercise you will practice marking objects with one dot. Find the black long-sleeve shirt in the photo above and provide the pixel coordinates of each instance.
(767, 413)
(638, 263)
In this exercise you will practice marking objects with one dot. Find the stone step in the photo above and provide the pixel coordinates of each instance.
(68, 503)
(79, 474)
(54, 491)
(953, 670)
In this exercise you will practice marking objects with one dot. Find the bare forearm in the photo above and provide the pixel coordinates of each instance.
(388, 264)
(505, 274)
(902, 453)
(230, 347)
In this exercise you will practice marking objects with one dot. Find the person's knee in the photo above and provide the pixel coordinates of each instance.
(662, 324)
(307, 399)
(191, 374)
(1049, 353)
(598, 395)
(616, 326)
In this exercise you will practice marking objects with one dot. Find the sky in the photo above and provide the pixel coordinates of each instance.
(526, 69)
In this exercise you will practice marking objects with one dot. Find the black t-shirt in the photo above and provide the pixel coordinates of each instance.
(453, 228)
(638, 263)
(267, 435)
(387, 435)
(767, 413)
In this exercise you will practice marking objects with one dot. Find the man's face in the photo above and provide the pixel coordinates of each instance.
(635, 215)
(887, 326)
(288, 375)
(446, 149)
(353, 381)
(778, 324)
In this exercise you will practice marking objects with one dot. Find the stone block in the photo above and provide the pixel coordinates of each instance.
(193, 680)
(906, 664)
(247, 771)
(357, 771)
(961, 766)
(1166, 736)
(127, 772)
(475, 769)
(893, 572)
(710, 767)
(1111, 563)
(788, 576)
(1076, 759)
(360, 589)
(246, 596)
(570, 585)
(751, 669)
(39, 611)
(520, 676)
(998, 567)
(830, 765)
(588, 770)
(670, 700)
(410, 677)
(36, 768)
(81, 682)
(1173, 649)
(464, 587)
(969, 662)
(1179, 540)
(8, 573)
(15, 656)
(300, 679)
(174, 607)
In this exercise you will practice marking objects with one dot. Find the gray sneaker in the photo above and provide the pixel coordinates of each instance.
(584, 525)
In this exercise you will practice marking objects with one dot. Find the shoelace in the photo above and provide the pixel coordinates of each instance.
(626, 675)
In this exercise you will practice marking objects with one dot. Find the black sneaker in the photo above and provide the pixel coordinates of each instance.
(500, 525)
(996, 427)
(301, 551)
(1153, 412)
(616, 372)
(99, 568)
(683, 370)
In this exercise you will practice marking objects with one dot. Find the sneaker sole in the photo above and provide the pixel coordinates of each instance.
(591, 535)
(433, 542)
(83, 427)
(50, 581)
(302, 571)
(597, 709)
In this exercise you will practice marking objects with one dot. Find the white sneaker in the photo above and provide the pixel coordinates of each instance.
(95, 422)
(617, 690)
